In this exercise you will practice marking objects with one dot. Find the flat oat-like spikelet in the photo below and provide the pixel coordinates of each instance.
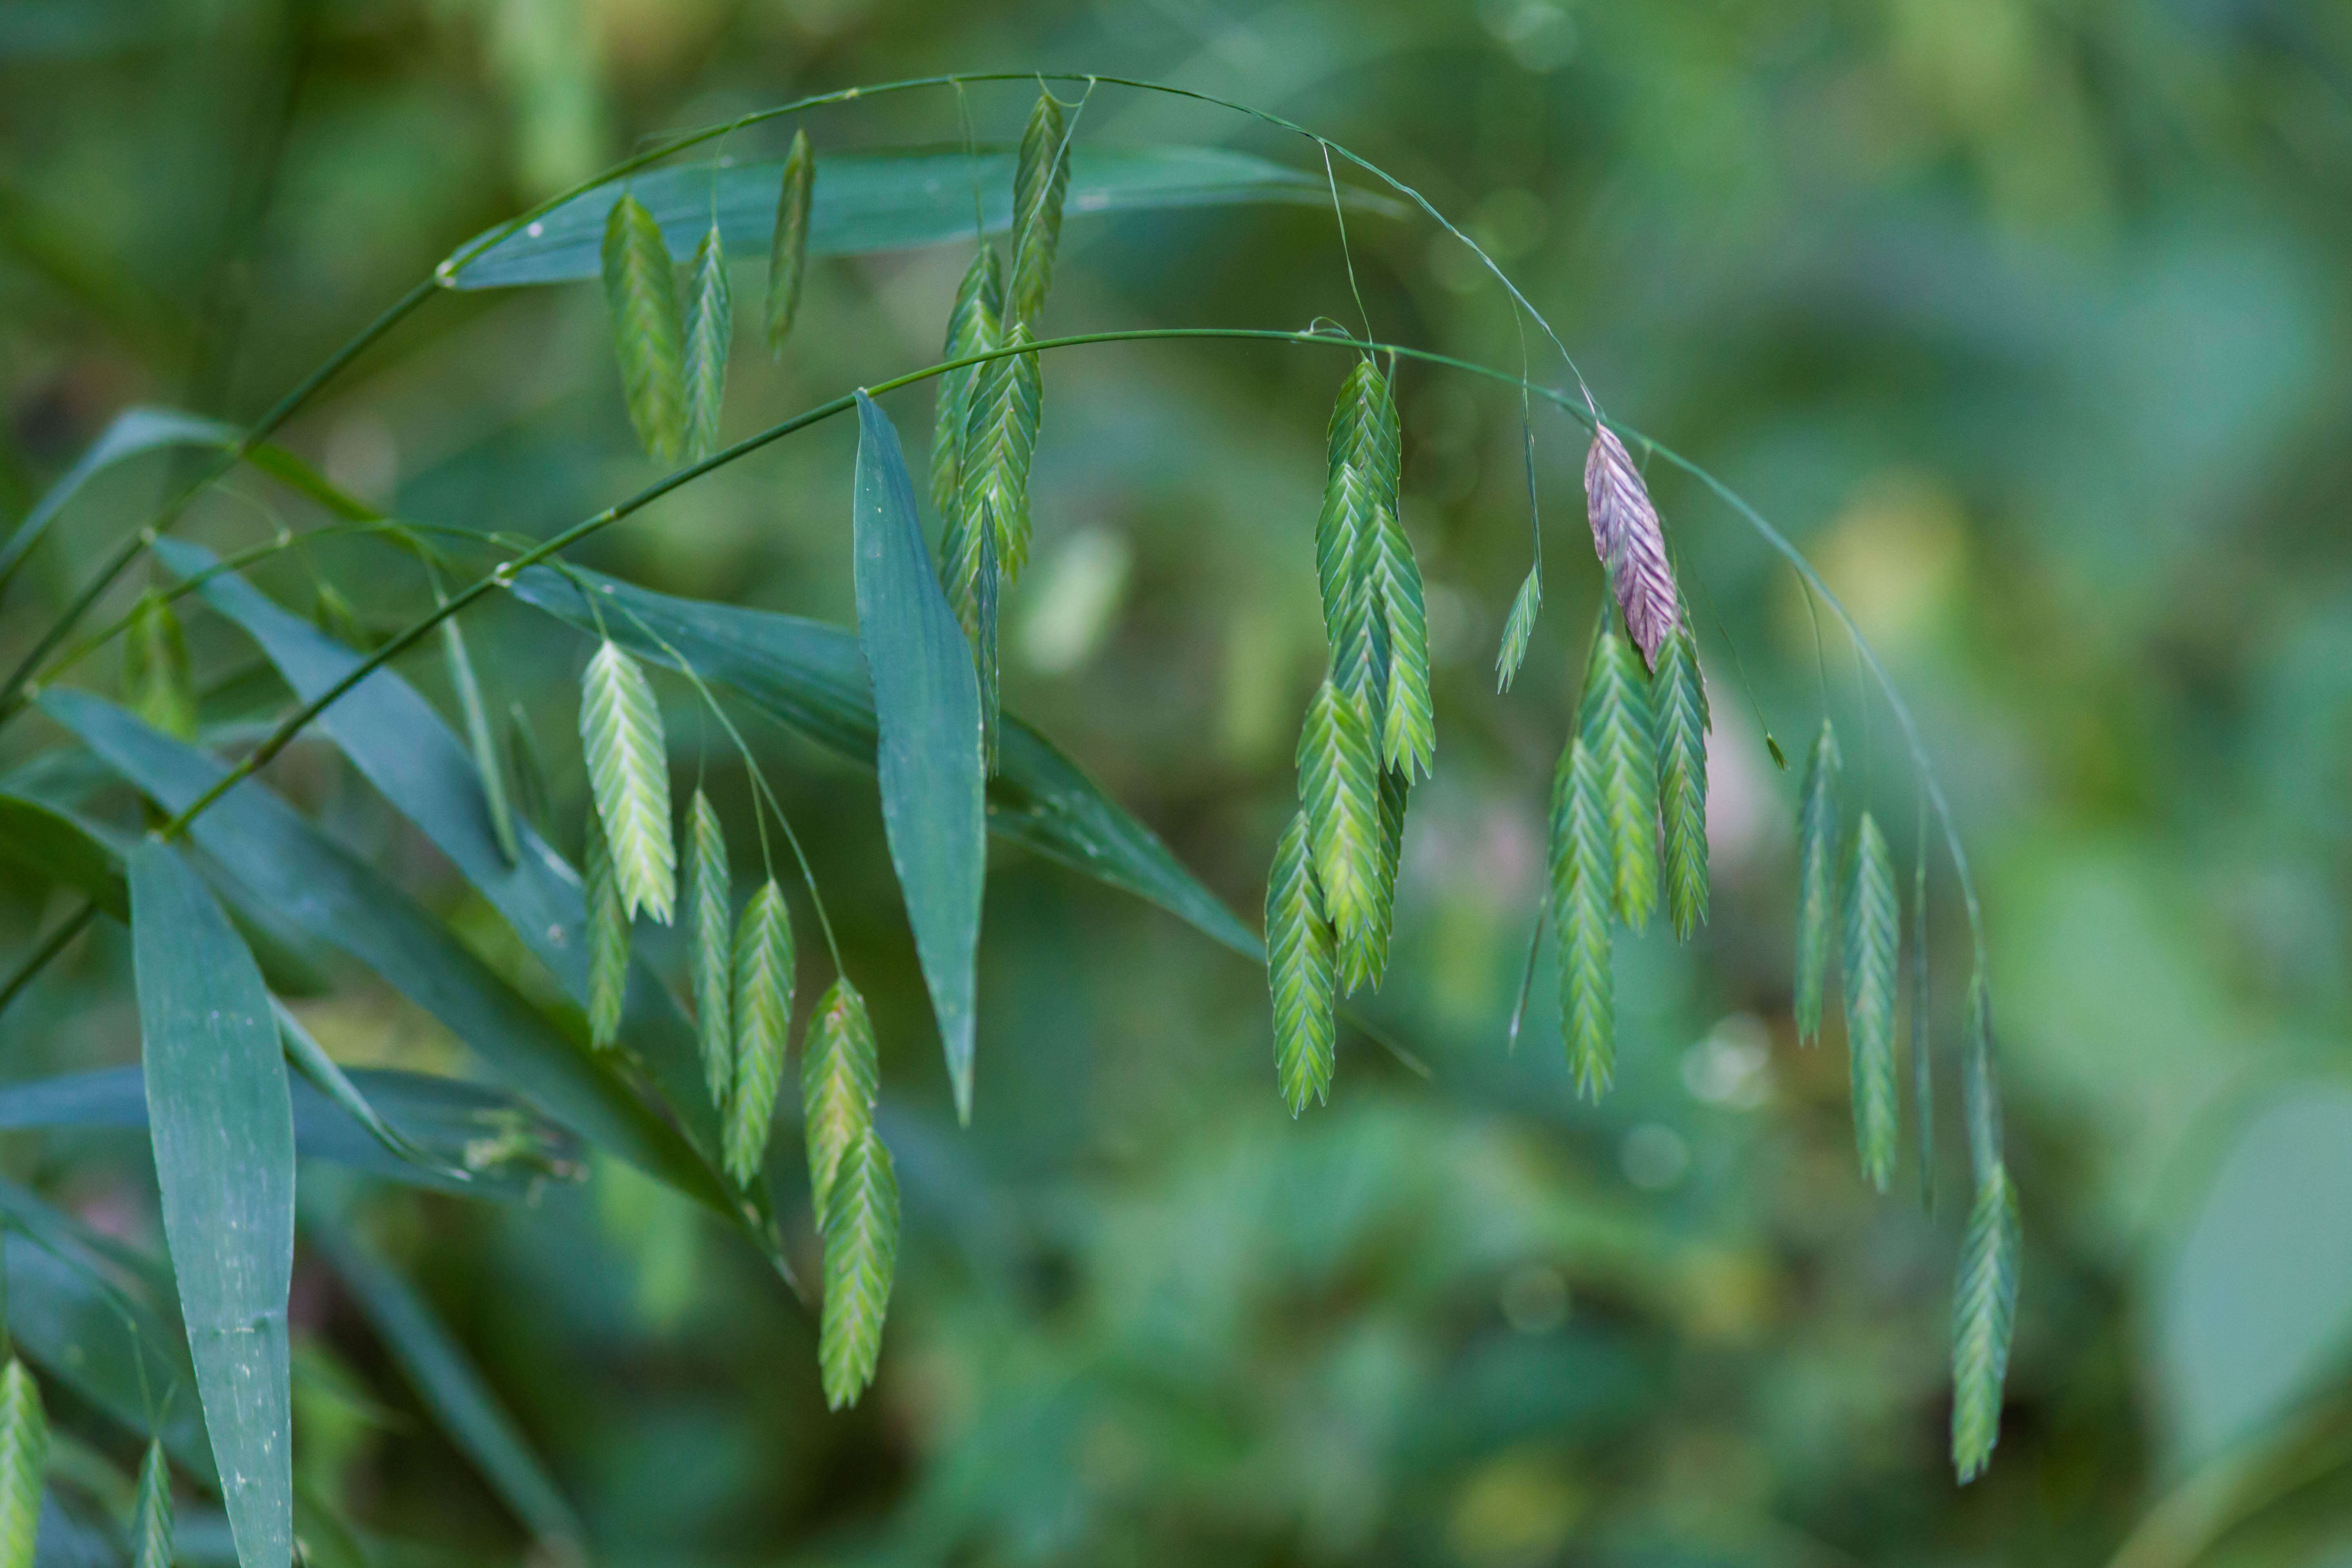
(709, 334)
(1361, 479)
(1299, 950)
(839, 1073)
(1000, 440)
(710, 908)
(1580, 892)
(641, 292)
(861, 1253)
(1519, 629)
(1874, 923)
(1408, 727)
(1984, 1312)
(1039, 180)
(1338, 787)
(156, 682)
(1678, 702)
(972, 328)
(1630, 541)
(1364, 957)
(1616, 727)
(628, 768)
(24, 1451)
(608, 936)
(1817, 837)
(763, 1016)
(150, 1524)
(788, 250)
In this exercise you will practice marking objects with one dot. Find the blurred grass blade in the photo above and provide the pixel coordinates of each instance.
(1299, 971)
(402, 747)
(1041, 181)
(134, 430)
(304, 1055)
(531, 793)
(286, 862)
(1873, 935)
(1817, 840)
(876, 201)
(861, 1254)
(927, 708)
(811, 678)
(156, 682)
(709, 334)
(788, 245)
(505, 1148)
(23, 1455)
(486, 766)
(1984, 1312)
(641, 292)
(448, 1383)
(223, 1126)
(762, 1005)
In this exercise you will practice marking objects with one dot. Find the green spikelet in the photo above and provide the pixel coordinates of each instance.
(1298, 970)
(983, 643)
(150, 1526)
(1364, 959)
(1580, 892)
(628, 766)
(156, 682)
(641, 292)
(861, 1252)
(1984, 1309)
(1339, 786)
(1350, 550)
(838, 1076)
(710, 333)
(23, 1452)
(1616, 728)
(1678, 700)
(1816, 836)
(973, 326)
(1039, 181)
(788, 251)
(709, 898)
(1000, 439)
(1873, 924)
(1519, 629)
(1408, 725)
(1923, 1059)
(608, 937)
(763, 1014)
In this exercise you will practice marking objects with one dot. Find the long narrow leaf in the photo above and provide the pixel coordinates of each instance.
(875, 202)
(134, 430)
(450, 1384)
(223, 1125)
(926, 706)
(281, 858)
(811, 678)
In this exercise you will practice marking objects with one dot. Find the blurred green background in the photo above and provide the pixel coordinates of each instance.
(2026, 318)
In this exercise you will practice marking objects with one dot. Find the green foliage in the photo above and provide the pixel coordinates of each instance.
(608, 934)
(1339, 791)
(1616, 724)
(763, 1013)
(1040, 181)
(999, 440)
(486, 764)
(151, 1521)
(628, 769)
(1817, 847)
(641, 292)
(711, 920)
(1874, 927)
(973, 325)
(1518, 629)
(156, 684)
(1299, 966)
(1984, 1310)
(24, 1454)
(530, 796)
(1678, 700)
(839, 1071)
(1582, 885)
(709, 334)
(788, 249)
(861, 1252)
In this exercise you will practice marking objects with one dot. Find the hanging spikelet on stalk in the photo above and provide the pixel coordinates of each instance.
(788, 249)
(710, 902)
(24, 1453)
(709, 334)
(151, 1521)
(1630, 541)
(763, 1011)
(641, 291)
(1298, 970)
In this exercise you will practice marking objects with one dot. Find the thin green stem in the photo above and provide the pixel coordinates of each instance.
(39, 958)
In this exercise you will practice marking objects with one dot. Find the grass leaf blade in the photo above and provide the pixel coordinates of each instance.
(487, 766)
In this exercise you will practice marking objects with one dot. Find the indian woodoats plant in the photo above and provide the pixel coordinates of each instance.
(681, 1069)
